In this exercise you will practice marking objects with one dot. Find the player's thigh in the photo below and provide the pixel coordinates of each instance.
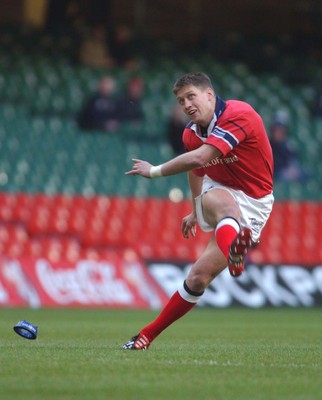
(218, 204)
(207, 267)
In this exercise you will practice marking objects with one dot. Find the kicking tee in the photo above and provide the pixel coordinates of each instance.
(238, 131)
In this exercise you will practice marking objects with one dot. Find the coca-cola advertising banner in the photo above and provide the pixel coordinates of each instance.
(124, 283)
(86, 283)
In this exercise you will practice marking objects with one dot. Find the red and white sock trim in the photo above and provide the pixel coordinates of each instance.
(228, 221)
(191, 298)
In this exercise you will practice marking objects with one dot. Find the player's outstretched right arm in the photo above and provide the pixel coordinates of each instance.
(183, 163)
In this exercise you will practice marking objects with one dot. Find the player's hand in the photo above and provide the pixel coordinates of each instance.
(140, 167)
(188, 226)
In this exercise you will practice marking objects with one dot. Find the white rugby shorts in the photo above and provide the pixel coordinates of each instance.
(254, 212)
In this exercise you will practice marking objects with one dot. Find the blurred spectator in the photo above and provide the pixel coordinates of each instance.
(94, 50)
(129, 107)
(100, 111)
(287, 167)
(123, 47)
(176, 124)
(317, 104)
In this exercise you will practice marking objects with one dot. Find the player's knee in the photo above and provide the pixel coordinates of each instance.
(198, 282)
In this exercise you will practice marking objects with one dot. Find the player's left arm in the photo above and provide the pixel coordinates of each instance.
(189, 222)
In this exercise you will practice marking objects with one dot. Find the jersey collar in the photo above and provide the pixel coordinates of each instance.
(220, 108)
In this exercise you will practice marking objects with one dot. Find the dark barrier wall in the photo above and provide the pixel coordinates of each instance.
(259, 286)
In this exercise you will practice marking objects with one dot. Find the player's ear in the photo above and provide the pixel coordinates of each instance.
(210, 93)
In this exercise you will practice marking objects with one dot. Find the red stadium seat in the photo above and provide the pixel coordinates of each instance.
(71, 226)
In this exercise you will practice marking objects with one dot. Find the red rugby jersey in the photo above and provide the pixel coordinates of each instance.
(239, 133)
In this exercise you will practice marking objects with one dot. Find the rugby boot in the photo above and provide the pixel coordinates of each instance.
(238, 250)
(137, 342)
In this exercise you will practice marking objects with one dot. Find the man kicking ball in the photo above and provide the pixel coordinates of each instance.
(230, 170)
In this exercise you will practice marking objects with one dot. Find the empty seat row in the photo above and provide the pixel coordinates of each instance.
(65, 226)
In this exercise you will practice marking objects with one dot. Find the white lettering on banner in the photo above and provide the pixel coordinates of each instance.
(301, 283)
(317, 274)
(249, 296)
(266, 280)
(87, 283)
(133, 272)
(13, 273)
(257, 287)
(3, 295)
(216, 295)
(168, 276)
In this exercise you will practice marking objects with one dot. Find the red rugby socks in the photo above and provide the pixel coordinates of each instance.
(182, 301)
(225, 233)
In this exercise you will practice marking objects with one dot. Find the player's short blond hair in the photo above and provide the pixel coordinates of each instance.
(198, 79)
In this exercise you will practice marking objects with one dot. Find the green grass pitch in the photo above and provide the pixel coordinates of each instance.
(210, 354)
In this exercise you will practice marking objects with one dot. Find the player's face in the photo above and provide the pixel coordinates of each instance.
(197, 104)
